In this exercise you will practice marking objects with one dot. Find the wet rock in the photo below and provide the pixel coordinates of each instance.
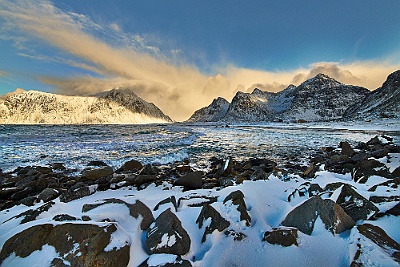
(148, 169)
(380, 238)
(77, 191)
(167, 235)
(21, 194)
(48, 194)
(144, 178)
(217, 221)
(7, 192)
(347, 150)
(58, 166)
(165, 260)
(29, 201)
(303, 217)
(366, 168)
(191, 180)
(131, 166)
(97, 173)
(183, 168)
(237, 199)
(281, 236)
(227, 168)
(355, 205)
(78, 244)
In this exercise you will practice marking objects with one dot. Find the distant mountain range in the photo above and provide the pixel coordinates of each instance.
(115, 106)
(318, 99)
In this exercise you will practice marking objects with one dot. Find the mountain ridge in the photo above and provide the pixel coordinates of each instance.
(115, 106)
(320, 98)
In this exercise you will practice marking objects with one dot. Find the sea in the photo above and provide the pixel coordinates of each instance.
(76, 145)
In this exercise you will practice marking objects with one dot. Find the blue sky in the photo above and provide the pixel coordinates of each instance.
(182, 54)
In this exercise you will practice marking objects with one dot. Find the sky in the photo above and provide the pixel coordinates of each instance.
(180, 55)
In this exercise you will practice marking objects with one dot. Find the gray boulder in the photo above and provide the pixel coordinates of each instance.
(96, 173)
(355, 205)
(192, 180)
(167, 235)
(303, 217)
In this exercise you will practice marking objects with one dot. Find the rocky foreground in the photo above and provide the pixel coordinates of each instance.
(342, 209)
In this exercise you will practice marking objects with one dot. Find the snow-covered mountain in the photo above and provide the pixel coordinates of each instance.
(318, 99)
(115, 106)
(384, 101)
(214, 112)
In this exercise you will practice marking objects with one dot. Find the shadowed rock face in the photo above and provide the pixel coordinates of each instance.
(332, 215)
(167, 235)
(217, 221)
(79, 244)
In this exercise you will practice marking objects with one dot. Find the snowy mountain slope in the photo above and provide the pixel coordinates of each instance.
(214, 112)
(322, 98)
(250, 107)
(318, 99)
(116, 106)
(385, 99)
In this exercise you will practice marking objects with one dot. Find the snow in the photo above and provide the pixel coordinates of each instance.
(38, 258)
(161, 259)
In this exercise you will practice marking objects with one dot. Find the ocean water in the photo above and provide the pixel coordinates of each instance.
(76, 145)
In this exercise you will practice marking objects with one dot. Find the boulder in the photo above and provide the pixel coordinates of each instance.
(97, 163)
(366, 168)
(144, 178)
(192, 180)
(96, 173)
(167, 235)
(347, 150)
(77, 191)
(131, 166)
(237, 199)
(281, 236)
(380, 238)
(78, 244)
(303, 217)
(48, 194)
(217, 221)
(165, 260)
(148, 169)
(355, 205)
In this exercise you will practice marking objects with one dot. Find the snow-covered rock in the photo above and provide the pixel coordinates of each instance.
(115, 106)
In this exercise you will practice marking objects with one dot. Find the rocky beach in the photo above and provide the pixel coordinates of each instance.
(341, 200)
